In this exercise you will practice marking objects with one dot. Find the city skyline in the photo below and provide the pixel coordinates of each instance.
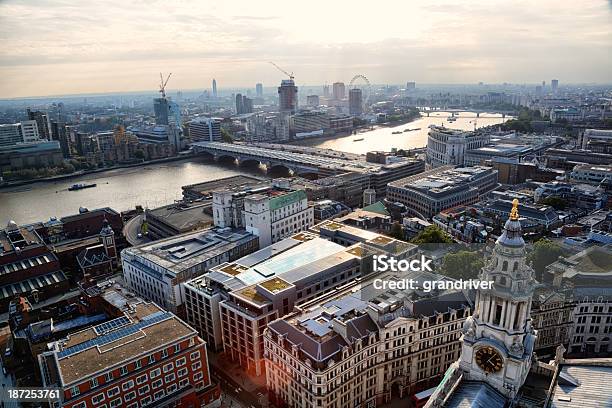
(59, 48)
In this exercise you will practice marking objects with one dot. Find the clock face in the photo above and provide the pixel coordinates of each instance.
(489, 360)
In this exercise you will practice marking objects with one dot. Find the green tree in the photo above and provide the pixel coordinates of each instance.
(397, 231)
(544, 253)
(227, 137)
(462, 264)
(432, 235)
(556, 202)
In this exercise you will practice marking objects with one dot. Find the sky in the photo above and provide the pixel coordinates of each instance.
(56, 47)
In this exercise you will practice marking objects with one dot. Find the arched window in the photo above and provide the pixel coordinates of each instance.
(515, 267)
(505, 266)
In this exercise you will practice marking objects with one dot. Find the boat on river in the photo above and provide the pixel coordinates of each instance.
(81, 186)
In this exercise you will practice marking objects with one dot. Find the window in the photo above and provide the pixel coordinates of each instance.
(158, 395)
(129, 396)
(197, 376)
(112, 392)
(124, 370)
(184, 382)
(109, 376)
(177, 348)
(96, 399)
(145, 401)
(81, 404)
(182, 372)
(196, 366)
(170, 377)
(137, 365)
(156, 383)
(141, 379)
(195, 355)
(164, 353)
(115, 403)
(93, 383)
(151, 359)
(143, 390)
(74, 391)
(168, 367)
(127, 385)
(181, 361)
(132, 405)
(171, 389)
(155, 373)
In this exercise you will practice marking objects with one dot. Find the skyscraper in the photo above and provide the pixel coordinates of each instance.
(162, 110)
(42, 122)
(338, 90)
(214, 88)
(259, 90)
(410, 86)
(312, 100)
(243, 104)
(239, 105)
(287, 96)
(355, 102)
(554, 84)
(326, 91)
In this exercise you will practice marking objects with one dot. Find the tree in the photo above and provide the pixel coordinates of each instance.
(227, 137)
(544, 253)
(397, 231)
(432, 235)
(139, 154)
(556, 202)
(462, 264)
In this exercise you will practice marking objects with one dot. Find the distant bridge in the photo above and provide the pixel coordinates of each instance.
(298, 163)
(477, 111)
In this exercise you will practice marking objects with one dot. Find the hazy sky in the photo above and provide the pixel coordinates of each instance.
(50, 47)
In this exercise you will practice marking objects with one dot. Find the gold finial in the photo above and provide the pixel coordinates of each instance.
(514, 215)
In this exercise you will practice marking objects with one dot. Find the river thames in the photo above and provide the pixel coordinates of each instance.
(158, 184)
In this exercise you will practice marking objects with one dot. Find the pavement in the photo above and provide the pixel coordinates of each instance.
(237, 385)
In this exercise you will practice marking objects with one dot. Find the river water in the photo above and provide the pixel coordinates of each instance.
(158, 184)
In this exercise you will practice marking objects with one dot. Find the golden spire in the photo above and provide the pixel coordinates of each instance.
(514, 215)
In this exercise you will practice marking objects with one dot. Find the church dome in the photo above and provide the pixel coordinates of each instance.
(512, 234)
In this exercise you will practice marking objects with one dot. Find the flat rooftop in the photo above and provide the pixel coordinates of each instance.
(233, 182)
(183, 216)
(187, 250)
(116, 341)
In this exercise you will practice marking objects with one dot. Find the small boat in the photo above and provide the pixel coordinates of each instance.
(358, 140)
(396, 133)
(80, 186)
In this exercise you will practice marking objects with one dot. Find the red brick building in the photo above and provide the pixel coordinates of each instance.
(147, 357)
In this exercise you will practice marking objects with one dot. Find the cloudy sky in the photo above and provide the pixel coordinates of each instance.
(53, 47)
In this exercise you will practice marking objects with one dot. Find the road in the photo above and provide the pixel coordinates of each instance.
(131, 229)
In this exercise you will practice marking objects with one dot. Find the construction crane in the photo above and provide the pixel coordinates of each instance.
(162, 84)
(290, 75)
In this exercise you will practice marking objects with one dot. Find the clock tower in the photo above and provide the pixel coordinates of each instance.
(498, 339)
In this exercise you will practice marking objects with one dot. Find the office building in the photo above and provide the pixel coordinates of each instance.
(259, 90)
(177, 218)
(162, 111)
(268, 126)
(554, 85)
(232, 304)
(597, 140)
(205, 130)
(326, 91)
(312, 100)
(214, 88)
(270, 212)
(145, 357)
(10, 134)
(287, 96)
(243, 104)
(428, 193)
(355, 102)
(592, 174)
(42, 122)
(449, 146)
(583, 196)
(361, 346)
(338, 91)
(31, 155)
(155, 270)
(410, 86)
(28, 267)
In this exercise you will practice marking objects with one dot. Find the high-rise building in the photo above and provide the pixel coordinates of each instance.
(449, 146)
(355, 102)
(205, 130)
(214, 88)
(42, 122)
(10, 134)
(239, 106)
(338, 91)
(554, 84)
(312, 100)
(259, 90)
(326, 91)
(162, 111)
(287, 96)
(410, 86)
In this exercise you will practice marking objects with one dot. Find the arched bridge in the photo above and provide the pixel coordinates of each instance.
(299, 163)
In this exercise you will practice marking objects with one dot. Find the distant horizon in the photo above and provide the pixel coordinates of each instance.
(170, 91)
